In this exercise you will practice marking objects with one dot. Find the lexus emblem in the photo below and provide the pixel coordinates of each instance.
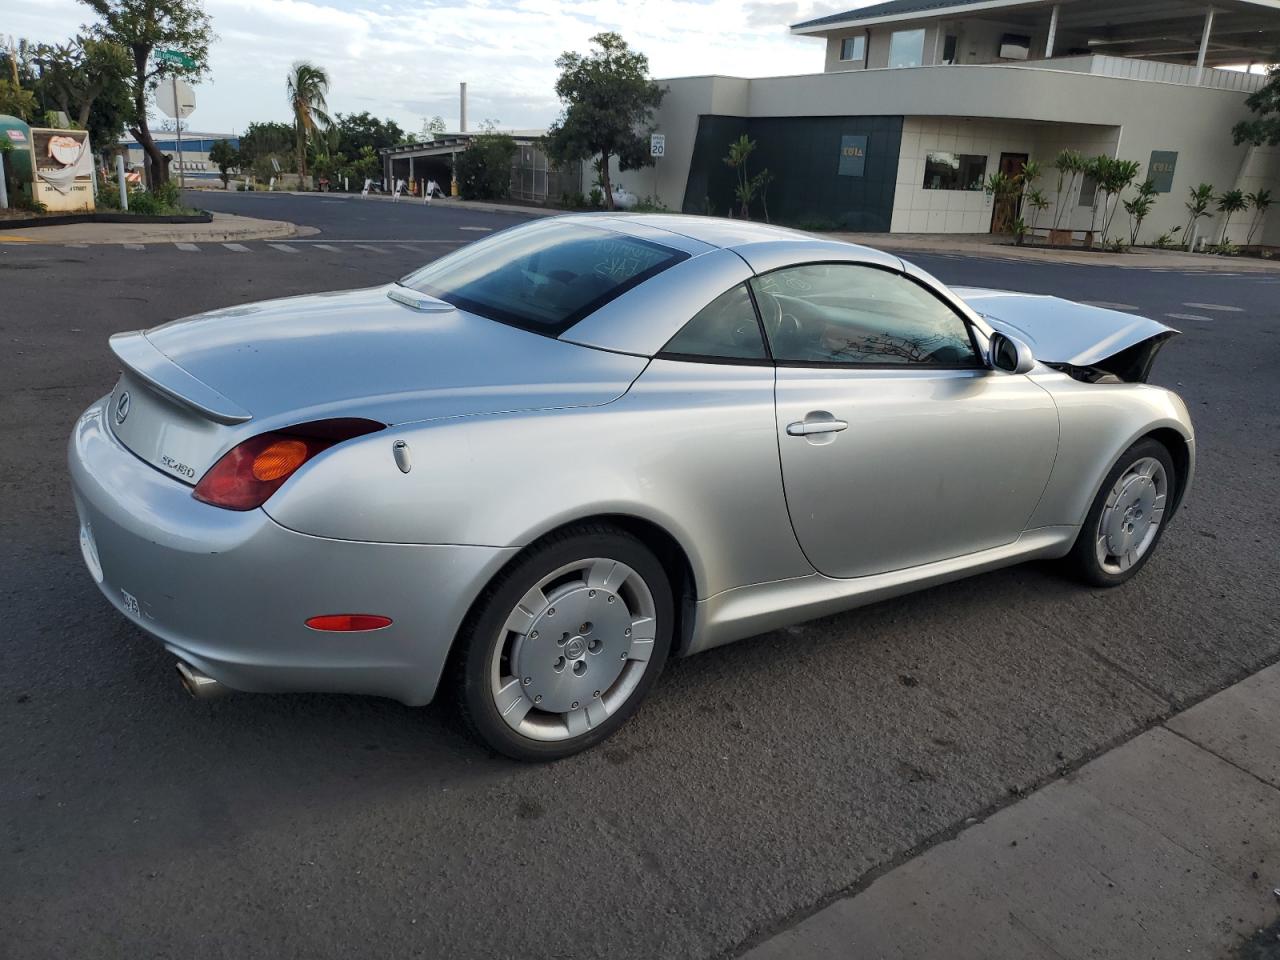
(122, 407)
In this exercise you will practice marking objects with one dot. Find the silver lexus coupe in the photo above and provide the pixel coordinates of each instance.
(536, 468)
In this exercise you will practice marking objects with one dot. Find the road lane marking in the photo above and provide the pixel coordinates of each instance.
(478, 229)
(77, 246)
(1189, 316)
(188, 247)
(237, 247)
(1215, 306)
(283, 247)
(405, 246)
(134, 246)
(365, 246)
(1107, 305)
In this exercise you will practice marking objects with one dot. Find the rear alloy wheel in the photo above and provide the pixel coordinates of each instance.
(1127, 517)
(563, 648)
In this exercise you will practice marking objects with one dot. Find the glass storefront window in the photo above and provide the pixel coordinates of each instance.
(954, 171)
(906, 48)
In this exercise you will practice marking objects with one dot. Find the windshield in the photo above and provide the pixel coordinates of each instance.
(545, 276)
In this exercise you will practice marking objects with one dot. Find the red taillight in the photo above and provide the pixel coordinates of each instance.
(349, 622)
(251, 471)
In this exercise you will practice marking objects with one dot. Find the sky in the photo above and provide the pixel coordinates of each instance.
(404, 61)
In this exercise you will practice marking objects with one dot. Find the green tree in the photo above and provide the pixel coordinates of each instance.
(1233, 201)
(307, 86)
(142, 27)
(1139, 206)
(747, 187)
(261, 141)
(358, 130)
(226, 158)
(16, 101)
(1114, 177)
(1265, 102)
(484, 168)
(88, 80)
(609, 101)
(433, 128)
(1197, 206)
(1259, 200)
(1070, 165)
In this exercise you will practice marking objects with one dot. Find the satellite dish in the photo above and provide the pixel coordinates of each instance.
(185, 102)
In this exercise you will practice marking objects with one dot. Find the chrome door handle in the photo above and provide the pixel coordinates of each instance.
(806, 428)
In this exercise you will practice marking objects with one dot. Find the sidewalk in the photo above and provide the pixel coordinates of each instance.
(224, 226)
(982, 245)
(1167, 846)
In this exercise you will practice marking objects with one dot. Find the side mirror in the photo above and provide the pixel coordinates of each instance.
(1010, 354)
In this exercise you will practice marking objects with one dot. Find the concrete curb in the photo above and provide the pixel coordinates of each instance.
(222, 227)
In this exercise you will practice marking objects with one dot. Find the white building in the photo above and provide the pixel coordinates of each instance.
(920, 100)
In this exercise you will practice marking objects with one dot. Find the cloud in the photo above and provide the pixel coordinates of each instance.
(405, 62)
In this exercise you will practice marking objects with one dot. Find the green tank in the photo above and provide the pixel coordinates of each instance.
(17, 161)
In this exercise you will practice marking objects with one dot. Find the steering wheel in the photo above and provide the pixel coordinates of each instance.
(778, 324)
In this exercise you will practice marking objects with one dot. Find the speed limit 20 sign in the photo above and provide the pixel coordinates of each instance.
(657, 144)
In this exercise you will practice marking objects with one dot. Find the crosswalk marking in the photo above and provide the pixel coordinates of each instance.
(405, 246)
(1214, 306)
(365, 246)
(237, 247)
(326, 246)
(283, 247)
(1188, 316)
(189, 247)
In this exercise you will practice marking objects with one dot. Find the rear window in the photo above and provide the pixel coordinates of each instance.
(544, 277)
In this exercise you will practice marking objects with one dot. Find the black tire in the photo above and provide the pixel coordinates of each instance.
(1083, 561)
(483, 637)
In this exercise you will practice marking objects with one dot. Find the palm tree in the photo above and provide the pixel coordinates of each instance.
(307, 85)
(1069, 164)
(1260, 200)
(1197, 206)
(1232, 201)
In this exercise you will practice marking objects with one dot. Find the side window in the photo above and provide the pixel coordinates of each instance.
(848, 313)
(725, 329)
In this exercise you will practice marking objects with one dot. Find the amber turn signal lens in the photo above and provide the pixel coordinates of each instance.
(349, 622)
(279, 460)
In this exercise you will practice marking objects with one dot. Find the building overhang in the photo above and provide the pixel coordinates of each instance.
(1242, 30)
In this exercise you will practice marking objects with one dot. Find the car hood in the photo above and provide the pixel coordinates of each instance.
(361, 352)
(1068, 333)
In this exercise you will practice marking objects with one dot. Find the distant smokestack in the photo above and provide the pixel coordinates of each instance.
(462, 107)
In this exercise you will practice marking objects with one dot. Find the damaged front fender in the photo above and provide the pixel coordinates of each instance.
(1090, 343)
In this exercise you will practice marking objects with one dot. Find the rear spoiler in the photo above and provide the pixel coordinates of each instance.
(145, 360)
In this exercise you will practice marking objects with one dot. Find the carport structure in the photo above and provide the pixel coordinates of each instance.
(532, 176)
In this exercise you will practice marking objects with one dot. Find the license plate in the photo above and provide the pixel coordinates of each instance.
(131, 603)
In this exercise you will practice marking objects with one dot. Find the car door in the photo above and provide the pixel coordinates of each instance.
(899, 446)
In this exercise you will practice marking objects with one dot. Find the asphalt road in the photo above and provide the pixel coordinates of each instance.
(758, 781)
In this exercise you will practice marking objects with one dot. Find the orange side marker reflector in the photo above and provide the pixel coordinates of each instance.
(349, 622)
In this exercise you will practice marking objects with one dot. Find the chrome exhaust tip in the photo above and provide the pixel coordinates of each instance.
(199, 685)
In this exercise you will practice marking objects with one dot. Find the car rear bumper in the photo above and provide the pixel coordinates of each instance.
(230, 592)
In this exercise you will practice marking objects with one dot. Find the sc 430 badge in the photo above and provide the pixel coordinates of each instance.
(178, 467)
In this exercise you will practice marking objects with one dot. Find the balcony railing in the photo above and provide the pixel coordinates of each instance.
(1129, 68)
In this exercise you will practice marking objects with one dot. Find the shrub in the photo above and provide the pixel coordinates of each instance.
(650, 205)
(484, 168)
(597, 198)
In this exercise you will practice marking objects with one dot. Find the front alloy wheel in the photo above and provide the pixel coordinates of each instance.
(1127, 517)
(565, 644)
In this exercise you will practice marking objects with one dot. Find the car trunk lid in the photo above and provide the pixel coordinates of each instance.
(191, 389)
